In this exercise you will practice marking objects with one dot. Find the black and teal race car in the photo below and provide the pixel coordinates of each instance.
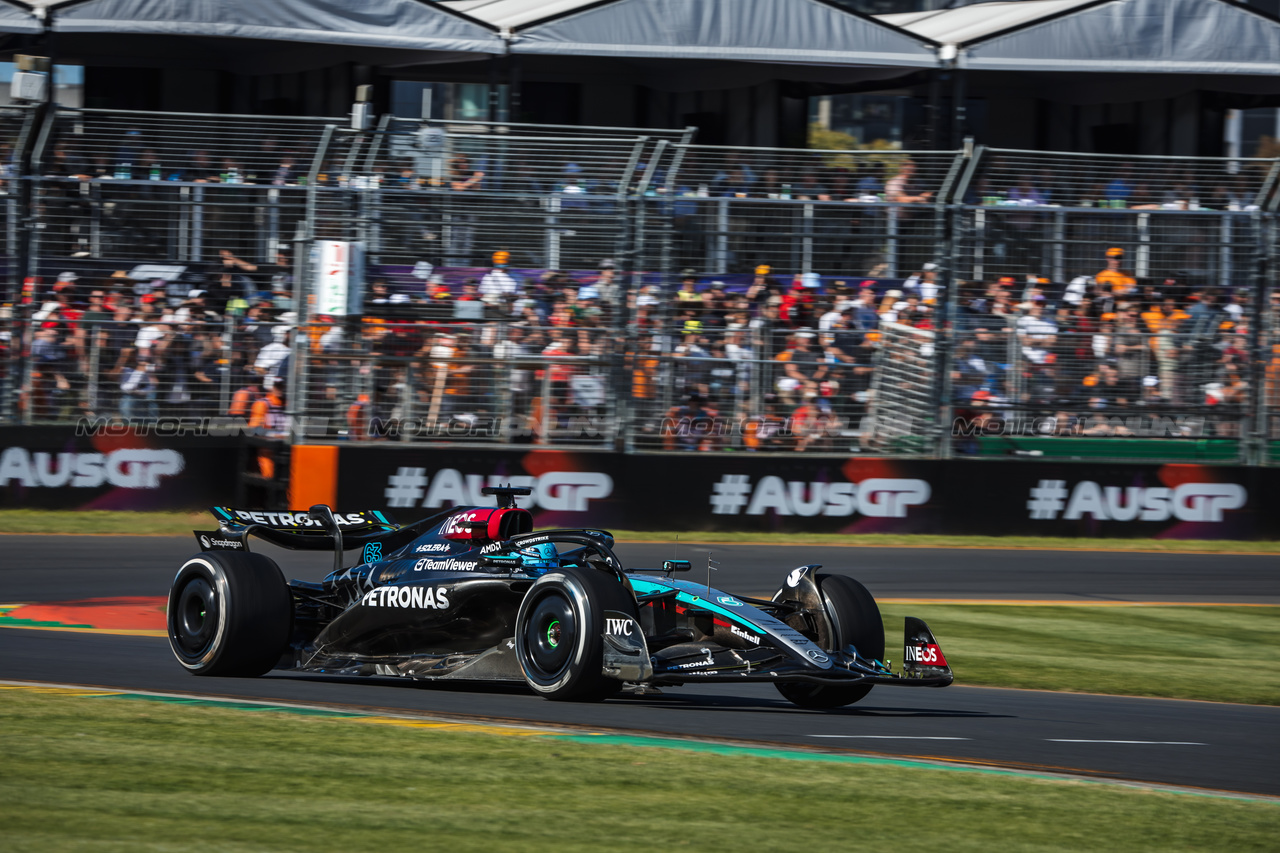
(476, 593)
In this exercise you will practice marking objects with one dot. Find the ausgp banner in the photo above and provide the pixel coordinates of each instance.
(852, 495)
(60, 468)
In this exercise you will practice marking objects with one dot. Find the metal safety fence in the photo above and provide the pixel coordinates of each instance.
(490, 383)
(618, 287)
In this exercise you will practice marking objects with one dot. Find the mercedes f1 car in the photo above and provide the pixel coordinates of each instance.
(476, 593)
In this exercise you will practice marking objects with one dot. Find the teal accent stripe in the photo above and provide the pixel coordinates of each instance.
(716, 607)
(644, 587)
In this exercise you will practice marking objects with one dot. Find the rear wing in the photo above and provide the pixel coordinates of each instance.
(299, 531)
(367, 521)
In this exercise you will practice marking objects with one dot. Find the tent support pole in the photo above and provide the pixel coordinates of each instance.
(957, 108)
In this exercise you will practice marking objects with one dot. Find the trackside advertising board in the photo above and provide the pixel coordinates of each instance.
(833, 495)
(116, 469)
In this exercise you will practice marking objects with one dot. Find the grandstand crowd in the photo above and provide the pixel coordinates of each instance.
(779, 363)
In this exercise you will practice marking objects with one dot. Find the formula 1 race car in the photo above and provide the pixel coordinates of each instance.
(475, 593)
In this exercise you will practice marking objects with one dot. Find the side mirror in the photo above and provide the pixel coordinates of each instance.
(502, 562)
(677, 566)
(324, 515)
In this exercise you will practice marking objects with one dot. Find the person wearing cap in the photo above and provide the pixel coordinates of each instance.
(1113, 277)
(924, 283)
(498, 283)
(762, 286)
(272, 356)
(803, 367)
(798, 304)
(193, 309)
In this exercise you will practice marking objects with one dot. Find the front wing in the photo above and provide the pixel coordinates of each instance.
(627, 658)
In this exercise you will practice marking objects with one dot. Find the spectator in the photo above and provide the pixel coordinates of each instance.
(797, 310)
(139, 390)
(900, 188)
(497, 283)
(802, 368)
(267, 413)
(687, 297)
(692, 426)
(1119, 282)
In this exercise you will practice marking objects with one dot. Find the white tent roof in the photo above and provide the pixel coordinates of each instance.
(812, 32)
(16, 18)
(402, 24)
(972, 23)
(511, 14)
(1117, 36)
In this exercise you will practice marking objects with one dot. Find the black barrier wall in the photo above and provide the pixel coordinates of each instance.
(809, 494)
(57, 468)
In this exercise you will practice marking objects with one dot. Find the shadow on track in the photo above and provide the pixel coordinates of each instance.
(696, 703)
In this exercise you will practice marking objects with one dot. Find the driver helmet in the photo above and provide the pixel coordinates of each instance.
(537, 559)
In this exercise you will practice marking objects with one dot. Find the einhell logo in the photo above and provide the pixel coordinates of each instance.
(1188, 502)
(875, 497)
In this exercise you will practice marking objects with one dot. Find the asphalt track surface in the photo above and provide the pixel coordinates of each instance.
(1195, 744)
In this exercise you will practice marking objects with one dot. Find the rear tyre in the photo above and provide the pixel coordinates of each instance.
(229, 614)
(852, 619)
(559, 632)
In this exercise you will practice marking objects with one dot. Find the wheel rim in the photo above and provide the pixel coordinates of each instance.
(551, 632)
(195, 618)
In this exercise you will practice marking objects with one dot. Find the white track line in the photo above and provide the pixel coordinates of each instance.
(895, 737)
(1151, 742)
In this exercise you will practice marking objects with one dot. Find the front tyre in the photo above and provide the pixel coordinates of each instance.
(559, 632)
(229, 614)
(852, 619)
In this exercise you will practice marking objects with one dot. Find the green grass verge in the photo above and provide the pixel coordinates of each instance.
(181, 524)
(1208, 653)
(105, 774)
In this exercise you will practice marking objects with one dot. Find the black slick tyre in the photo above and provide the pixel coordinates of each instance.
(229, 614)
(559, 629)
(852, 619)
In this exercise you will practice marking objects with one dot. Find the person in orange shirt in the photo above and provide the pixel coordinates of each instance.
(1120, 282)
(268, 417)
(267, 413)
